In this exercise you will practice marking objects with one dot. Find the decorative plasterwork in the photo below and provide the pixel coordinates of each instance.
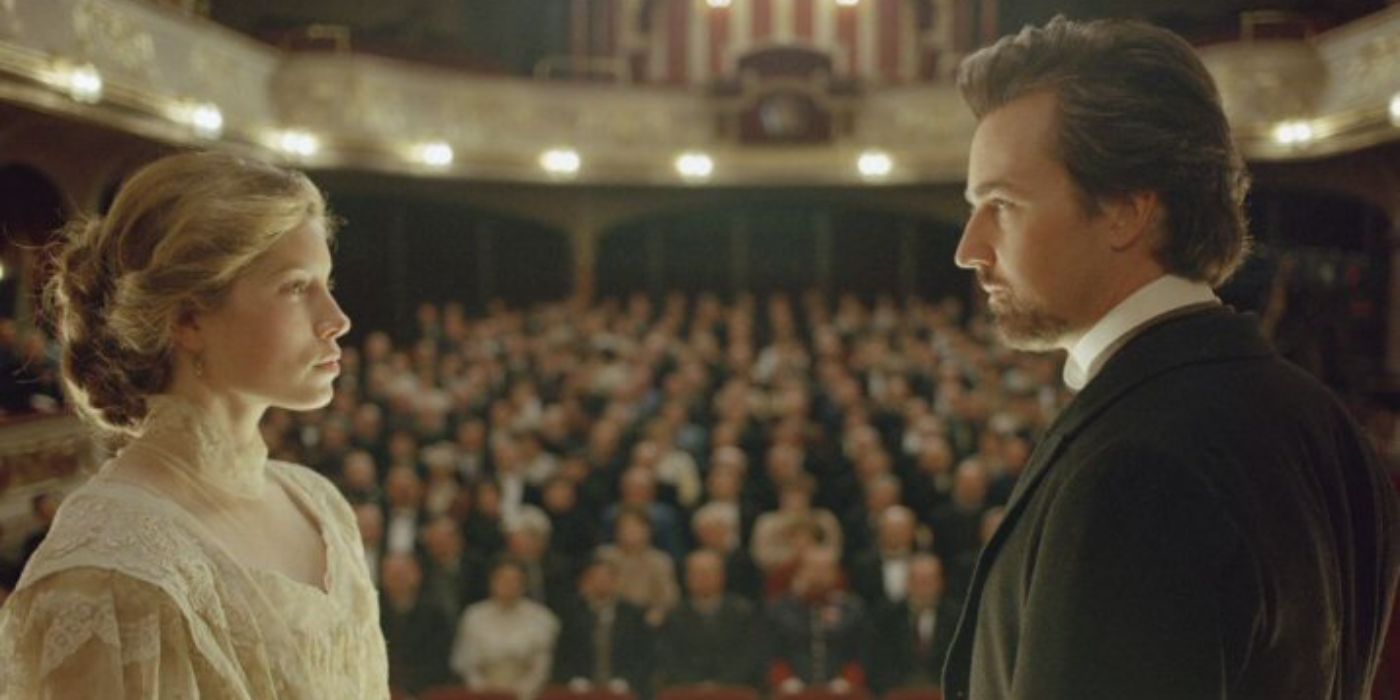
(368, 112)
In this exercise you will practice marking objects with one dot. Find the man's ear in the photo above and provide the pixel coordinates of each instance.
(1134, 219)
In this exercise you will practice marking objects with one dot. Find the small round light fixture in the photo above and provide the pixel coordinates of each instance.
(874, 164)
(205, 118)
(437, 154)
(1395, 109)
(1293, 133)
(847, 3)
(718, 4)
(297, 143)
(82, 82)
(694, 165)
(561, 162)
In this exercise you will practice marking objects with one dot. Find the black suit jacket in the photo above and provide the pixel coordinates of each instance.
(719, 648)
(897, 659)
(631, 658)
(1203, 520)
(419, 640)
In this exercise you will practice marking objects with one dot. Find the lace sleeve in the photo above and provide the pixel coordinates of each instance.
(87, 633)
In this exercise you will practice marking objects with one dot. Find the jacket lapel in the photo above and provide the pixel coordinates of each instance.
(1178, 340)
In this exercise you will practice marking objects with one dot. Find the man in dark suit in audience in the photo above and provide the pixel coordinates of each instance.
(548, 575)
(605, 641)
(881, 574)
(418, 634)
(710, 636)
(913, 634)
(454, 577)
(1203, 519)
(820, 635)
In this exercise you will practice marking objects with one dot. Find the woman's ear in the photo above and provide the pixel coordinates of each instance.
(186, 332)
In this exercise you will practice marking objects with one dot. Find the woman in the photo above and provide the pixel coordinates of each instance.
(190, 565)
(506, 643)
(646, 574)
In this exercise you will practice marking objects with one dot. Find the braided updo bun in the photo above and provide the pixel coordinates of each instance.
(179, 232)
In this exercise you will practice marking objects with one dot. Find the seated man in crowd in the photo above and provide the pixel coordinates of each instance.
(880, 574)
(548, 576)
(820, 634)
(716, 526)
(912, 635)
(454, 576)
(417, 634)
(710, 637)
(605, 641)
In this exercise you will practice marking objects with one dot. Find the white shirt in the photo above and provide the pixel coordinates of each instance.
(896, 570)
(1158, 297)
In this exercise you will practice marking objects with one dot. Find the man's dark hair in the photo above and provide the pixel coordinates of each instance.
(1136, 111)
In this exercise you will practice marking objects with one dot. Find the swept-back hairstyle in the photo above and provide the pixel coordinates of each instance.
(1136, 111)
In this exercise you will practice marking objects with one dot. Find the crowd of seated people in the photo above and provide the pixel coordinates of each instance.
(774, 493)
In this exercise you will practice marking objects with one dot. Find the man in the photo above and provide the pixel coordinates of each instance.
(1203, 520)
(880, 574)
(709, 638)
(454, 576)
(716, 528)
(548, 576)
(820, 634)
(912, 635)
(418, 634)
(605, 642)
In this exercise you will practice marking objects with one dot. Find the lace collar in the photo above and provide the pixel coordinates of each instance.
(178, 433)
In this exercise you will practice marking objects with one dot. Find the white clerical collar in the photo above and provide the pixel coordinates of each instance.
(1160, 296)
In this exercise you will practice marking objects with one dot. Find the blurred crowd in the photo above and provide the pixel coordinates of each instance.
(781, 493)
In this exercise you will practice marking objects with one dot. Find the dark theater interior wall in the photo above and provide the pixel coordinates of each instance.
(395, 252)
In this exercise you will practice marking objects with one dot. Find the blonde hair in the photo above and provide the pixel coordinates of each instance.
(179, 233)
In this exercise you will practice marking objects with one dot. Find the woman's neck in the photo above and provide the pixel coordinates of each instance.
(208, 449)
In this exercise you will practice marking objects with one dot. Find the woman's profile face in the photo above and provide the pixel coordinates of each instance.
(273, 339)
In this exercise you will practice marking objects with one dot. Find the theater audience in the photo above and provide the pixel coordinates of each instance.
(739, 428)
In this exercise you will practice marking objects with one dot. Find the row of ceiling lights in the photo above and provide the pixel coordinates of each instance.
(720, 4)
(83, 83)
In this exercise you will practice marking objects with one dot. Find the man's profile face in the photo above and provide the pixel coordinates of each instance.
(1035, 251)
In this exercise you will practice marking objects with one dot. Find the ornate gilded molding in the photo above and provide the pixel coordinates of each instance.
(368, 112)
(104, 31)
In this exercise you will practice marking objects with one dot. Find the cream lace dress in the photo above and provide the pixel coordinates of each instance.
(132, 596)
